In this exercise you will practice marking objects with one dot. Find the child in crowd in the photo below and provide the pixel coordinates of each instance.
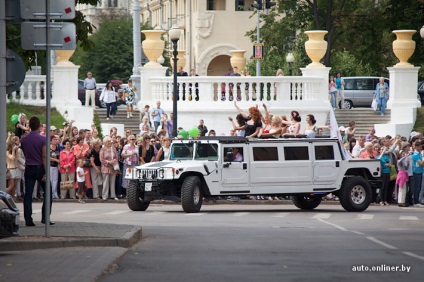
(82, 189)
(402, 176)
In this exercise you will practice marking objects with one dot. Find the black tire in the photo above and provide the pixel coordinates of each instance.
(191, 194)
(102, 104)
(306, 202)
(134, 200)
(355, 194)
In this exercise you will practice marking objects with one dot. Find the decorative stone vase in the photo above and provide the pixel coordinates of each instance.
(63, 56)
(237, 59)
(316, 47)
(181, 59)
(153, 46)
(404, 47)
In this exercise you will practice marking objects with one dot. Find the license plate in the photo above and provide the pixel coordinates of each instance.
(148, 187)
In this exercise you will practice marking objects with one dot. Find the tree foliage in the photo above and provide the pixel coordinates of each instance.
(359, 32)
(111, 56)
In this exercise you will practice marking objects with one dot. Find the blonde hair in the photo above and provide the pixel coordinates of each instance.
(106, 139)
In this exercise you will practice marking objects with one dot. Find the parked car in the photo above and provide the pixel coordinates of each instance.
(81, 95)
(421, 91)
(359, 91)
(9, 216)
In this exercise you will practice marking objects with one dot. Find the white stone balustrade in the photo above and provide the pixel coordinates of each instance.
(31, 92)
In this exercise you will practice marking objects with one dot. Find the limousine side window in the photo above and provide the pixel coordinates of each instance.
(324, 153)
(296, 153)
(265, 154)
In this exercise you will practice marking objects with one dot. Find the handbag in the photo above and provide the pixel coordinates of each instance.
(374, 104)
(66, 185)
(86, 163)
(393, 173)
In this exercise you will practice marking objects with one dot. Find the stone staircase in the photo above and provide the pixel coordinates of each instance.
(121, 117)
(364, 118)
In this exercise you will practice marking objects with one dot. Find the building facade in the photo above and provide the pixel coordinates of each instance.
(210, 29)
(92, 13)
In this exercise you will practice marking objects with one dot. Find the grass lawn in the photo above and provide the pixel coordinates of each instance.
(15, 108)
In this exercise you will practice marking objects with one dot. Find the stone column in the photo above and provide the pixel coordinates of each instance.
(65, 95)
(403, 100)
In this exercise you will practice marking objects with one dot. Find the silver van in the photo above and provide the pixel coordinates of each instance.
(359, 91)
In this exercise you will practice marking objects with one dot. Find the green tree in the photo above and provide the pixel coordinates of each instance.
(111, 56)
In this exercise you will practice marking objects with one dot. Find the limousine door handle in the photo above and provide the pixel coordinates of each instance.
(337, 164)
(244, 165)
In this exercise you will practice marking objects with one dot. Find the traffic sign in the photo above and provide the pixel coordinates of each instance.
(15, 71)
(62, 36)
(36, 9)
(258, 51)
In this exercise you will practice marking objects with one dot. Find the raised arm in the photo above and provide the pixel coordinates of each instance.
(240, 110)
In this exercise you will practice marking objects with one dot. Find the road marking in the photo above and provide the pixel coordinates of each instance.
(195, 214)
(407, 217)
(381, 243)
(413, 255)
(322, 215)
(357, 232)
(283, 214)
(332, 224)
(116, 212)
(364, 216)
(154, 213)
(240, 213)
(76, 211)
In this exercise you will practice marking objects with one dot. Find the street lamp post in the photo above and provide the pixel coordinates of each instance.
(174, 36)
(290, 60)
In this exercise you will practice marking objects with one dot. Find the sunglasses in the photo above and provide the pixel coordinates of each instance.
(132, 139)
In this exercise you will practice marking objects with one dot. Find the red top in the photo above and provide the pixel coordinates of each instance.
(67, 158)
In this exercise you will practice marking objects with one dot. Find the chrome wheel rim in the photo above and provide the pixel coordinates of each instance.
(358, 194)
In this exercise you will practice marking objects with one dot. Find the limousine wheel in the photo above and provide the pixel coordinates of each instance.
(355, 194)
(191, 194)
(307, 202)
(134, 199)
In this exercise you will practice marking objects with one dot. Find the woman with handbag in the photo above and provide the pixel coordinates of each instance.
(95, 172)
(67, 168)
(82, 152)
(54, 164)
(109, 97)
(130, 156)
(110, 167)
(11, 160)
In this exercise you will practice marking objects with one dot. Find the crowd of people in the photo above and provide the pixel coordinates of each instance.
(94, 167)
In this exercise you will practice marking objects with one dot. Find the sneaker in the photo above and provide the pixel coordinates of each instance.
(81, 202)
(419, 206)
(107, 118)
(116, 199)
(276, 198)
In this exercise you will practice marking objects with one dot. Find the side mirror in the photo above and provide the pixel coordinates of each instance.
(230, 156)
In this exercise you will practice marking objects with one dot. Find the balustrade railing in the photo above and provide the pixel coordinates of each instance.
(31, 92)
(228, 88)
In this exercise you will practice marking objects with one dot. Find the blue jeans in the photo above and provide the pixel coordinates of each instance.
(110, 109)
(381, 104)
(417, 186)
(334, 99)
(34, 173)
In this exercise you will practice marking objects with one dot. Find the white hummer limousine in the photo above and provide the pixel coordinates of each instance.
(305, 168)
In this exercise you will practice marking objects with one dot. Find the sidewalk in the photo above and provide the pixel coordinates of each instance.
(72, 234)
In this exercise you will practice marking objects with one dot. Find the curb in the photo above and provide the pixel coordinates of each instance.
(126, 241)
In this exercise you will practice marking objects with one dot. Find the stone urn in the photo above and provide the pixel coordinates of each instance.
(237, 59)
(404, 47)
(316, 47)
(63, 56)
(153, 46)
(181, 59)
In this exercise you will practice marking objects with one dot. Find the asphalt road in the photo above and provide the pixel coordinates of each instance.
(262, 242)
